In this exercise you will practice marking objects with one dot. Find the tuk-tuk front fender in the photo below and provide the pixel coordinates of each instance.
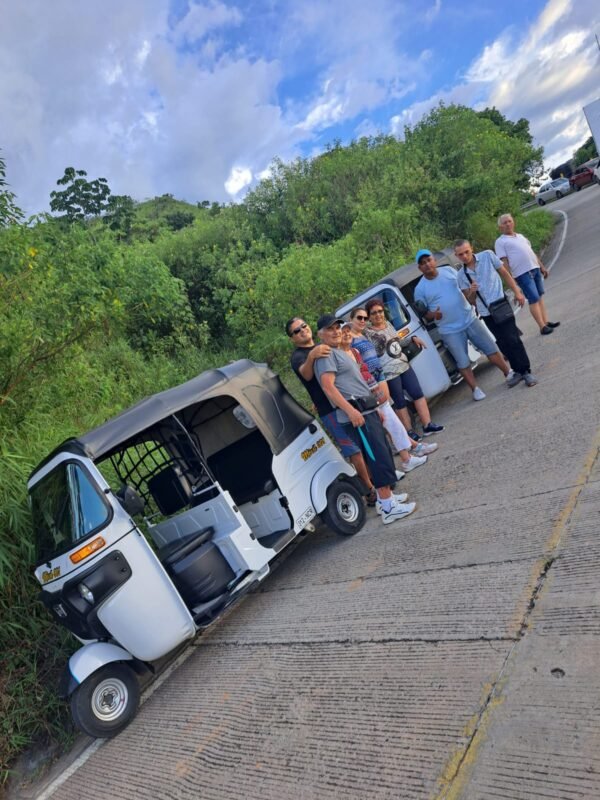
(324, 477)
(87, 660)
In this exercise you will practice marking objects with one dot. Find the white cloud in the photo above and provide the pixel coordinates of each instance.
(194, 105)
(545, 74)
(238, 179)
(202, 18)
(434, 11)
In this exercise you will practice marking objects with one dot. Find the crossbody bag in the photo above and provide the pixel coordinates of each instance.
(500, 310)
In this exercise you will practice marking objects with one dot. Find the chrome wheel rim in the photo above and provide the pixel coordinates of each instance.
(109, 699)
(347, 507)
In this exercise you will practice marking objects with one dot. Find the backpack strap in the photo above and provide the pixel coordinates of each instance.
(471, 281)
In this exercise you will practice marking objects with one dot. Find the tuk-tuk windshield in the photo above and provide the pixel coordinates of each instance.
(66, 507)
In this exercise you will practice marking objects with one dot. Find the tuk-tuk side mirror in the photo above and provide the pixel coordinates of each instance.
(130, 500)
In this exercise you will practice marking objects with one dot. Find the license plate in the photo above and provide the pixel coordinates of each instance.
(306, 517)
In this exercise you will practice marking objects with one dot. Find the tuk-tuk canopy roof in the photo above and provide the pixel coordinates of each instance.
(254, 386)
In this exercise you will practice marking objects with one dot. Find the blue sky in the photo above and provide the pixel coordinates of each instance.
(196, 97)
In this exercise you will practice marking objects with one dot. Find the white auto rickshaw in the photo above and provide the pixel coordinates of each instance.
(149, 526)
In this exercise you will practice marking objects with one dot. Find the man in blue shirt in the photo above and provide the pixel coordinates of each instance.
(479, 280)
(439, 294)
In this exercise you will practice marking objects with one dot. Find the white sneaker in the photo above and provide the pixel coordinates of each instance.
(412, 463)
(396, 498)
(478, 394)
(424, 449)
(400, 475)
(398, 511)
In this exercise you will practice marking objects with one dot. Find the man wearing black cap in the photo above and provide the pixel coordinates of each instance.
(340, 378)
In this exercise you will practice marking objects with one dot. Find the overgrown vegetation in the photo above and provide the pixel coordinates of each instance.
(586, 152)
(112, 300)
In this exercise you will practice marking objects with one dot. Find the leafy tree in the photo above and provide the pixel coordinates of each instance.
(81, 198)
(177, 220)
(464, 166)
(9, 211)
(584, 153)
(120, 215)
(533, 165)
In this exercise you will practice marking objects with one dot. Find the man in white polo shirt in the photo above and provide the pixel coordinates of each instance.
(516, 253)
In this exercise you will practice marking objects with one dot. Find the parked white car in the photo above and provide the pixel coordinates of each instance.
(553, 190)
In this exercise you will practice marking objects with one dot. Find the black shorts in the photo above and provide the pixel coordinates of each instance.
(382, 469)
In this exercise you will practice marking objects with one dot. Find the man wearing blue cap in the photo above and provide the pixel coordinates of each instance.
(439, 296)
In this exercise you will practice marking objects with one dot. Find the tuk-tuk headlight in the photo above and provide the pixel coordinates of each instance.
(86, 593)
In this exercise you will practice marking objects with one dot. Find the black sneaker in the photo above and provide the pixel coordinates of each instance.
(546, 330)
(553, 324)
(414, 435)
(431, 427)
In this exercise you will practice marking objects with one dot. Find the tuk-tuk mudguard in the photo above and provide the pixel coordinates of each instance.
(87, 660)
(324, 477)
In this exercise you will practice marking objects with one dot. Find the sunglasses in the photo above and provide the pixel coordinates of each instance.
(362, 318)
(294, 331)
(377, 311)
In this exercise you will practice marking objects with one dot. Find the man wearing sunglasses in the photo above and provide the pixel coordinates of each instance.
(302, 361)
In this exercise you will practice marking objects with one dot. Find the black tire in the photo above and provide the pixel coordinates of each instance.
(558, 194)
(106, 702)
(577, 187)
(541, 202)
(345, 511)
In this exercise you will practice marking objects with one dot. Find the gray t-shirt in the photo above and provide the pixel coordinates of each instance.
(348, 380)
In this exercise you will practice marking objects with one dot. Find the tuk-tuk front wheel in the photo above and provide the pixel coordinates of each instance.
(345, 511)
(106, 701)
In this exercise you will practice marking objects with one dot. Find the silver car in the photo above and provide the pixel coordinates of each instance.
(553, 190)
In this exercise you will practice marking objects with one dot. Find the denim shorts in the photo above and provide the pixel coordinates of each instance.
(347, 445)
(532, 285)
(479, 336)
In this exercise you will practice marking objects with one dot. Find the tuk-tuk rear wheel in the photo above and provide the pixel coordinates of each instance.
(345, 511)
(106, 701)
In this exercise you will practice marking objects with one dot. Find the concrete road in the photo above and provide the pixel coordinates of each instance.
(454, 654)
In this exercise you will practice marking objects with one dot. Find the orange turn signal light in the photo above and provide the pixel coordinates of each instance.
(84, 552)
(403, 333)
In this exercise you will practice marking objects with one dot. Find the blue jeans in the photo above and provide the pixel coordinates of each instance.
(532, 285)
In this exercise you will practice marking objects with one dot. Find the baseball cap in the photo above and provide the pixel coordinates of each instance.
(327, 320)
(422, 253)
